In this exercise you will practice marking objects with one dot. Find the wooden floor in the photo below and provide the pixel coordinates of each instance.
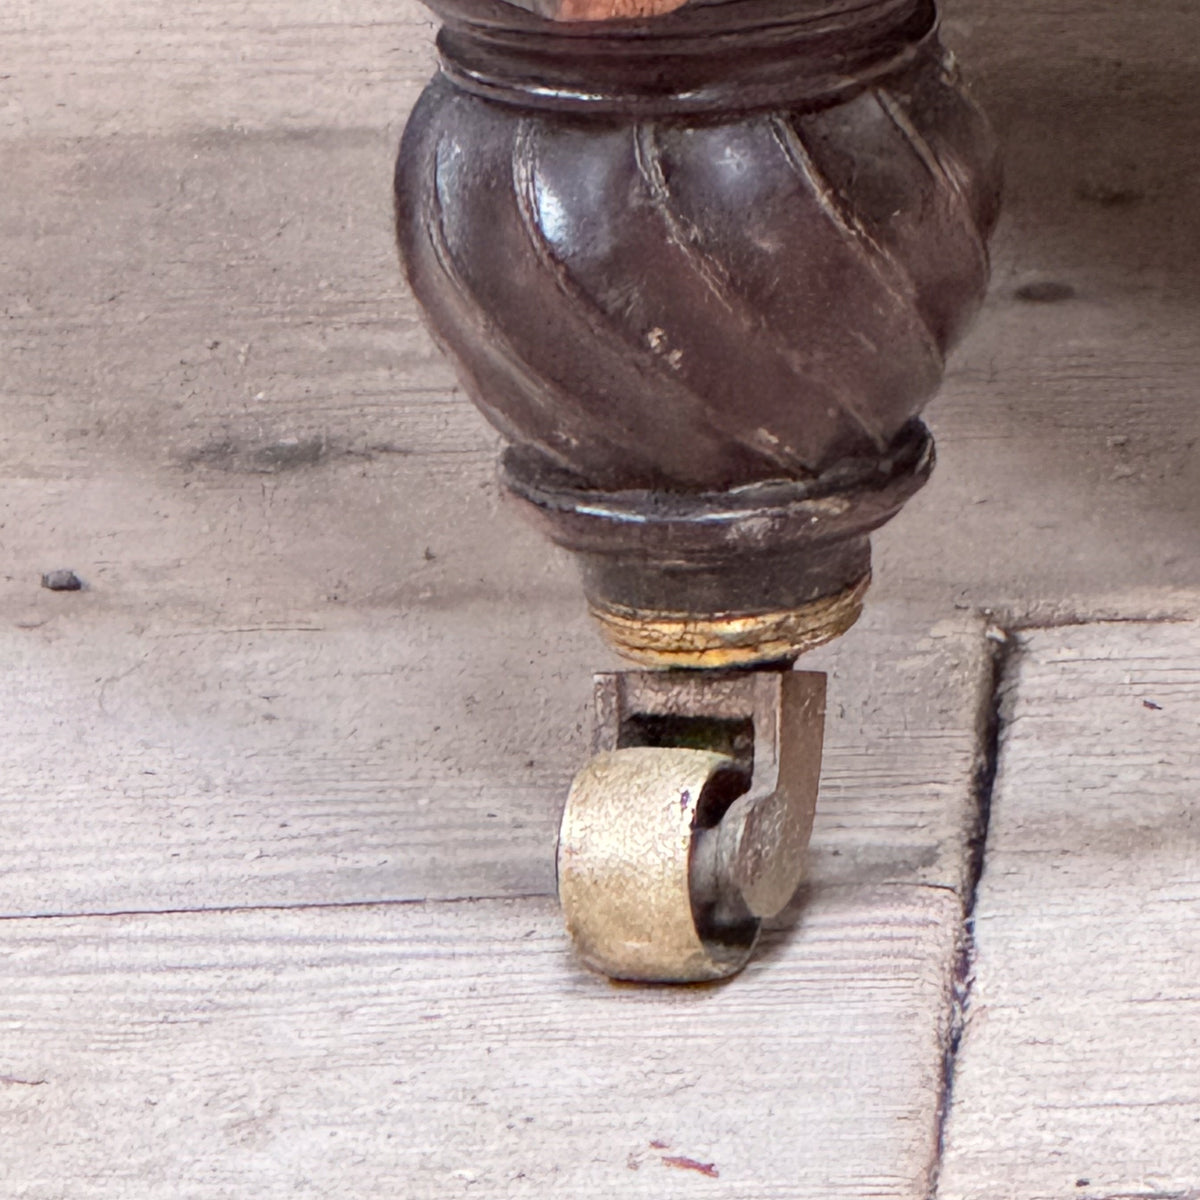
(279, 788)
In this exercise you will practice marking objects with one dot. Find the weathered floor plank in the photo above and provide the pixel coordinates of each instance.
(153, 767)
(1069, 478)
(76, 68)
(1079, 1072)
(434, 1051)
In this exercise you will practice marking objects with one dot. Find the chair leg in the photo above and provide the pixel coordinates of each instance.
(701, 265)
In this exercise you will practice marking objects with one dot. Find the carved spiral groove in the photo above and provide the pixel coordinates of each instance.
(700, 305)
(705, 301)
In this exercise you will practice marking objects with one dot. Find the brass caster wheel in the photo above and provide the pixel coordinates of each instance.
(625, 865)
(691, 823)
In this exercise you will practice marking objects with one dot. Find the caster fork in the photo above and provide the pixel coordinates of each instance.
(690, 825)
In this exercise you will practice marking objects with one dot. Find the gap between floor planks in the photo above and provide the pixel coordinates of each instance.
(1082, 1014)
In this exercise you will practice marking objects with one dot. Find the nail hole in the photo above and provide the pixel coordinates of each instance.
(1109, 195)
(62, 581)
(1045, 291)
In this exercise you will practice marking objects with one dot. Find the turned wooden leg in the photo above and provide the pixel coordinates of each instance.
(701, 264)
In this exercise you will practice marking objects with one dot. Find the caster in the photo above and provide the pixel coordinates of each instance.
(700, 262)
(690, 824)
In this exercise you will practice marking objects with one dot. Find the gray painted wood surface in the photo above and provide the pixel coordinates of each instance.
(1079, 1072)
(433, 1051)
(310, 616)
(154, 767)
(230, 358)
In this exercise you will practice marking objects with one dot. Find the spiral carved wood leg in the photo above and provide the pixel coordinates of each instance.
(701, 264)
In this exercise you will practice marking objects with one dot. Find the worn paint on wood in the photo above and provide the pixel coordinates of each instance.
(77, 68)
(1079, 1073)
(171, 181)
(1069, 441)
(160, 766)
(435, 1051)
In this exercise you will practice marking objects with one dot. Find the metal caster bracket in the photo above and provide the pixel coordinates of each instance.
(690, 825)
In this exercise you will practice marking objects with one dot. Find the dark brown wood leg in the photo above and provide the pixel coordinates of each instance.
(702, 270)
(701, 264)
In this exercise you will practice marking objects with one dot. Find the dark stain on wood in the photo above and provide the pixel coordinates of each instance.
(1045, 291)
(684, 1163)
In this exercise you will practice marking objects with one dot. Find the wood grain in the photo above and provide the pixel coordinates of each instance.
(226, 419)
(438, 1051)
(1068, 434)
(74, 68)
(1079, 1073)
(218, 405)
(607, 10)
(157, 766)
(222, 401)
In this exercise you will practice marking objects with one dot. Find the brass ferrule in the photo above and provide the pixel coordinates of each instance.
(687, 640)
